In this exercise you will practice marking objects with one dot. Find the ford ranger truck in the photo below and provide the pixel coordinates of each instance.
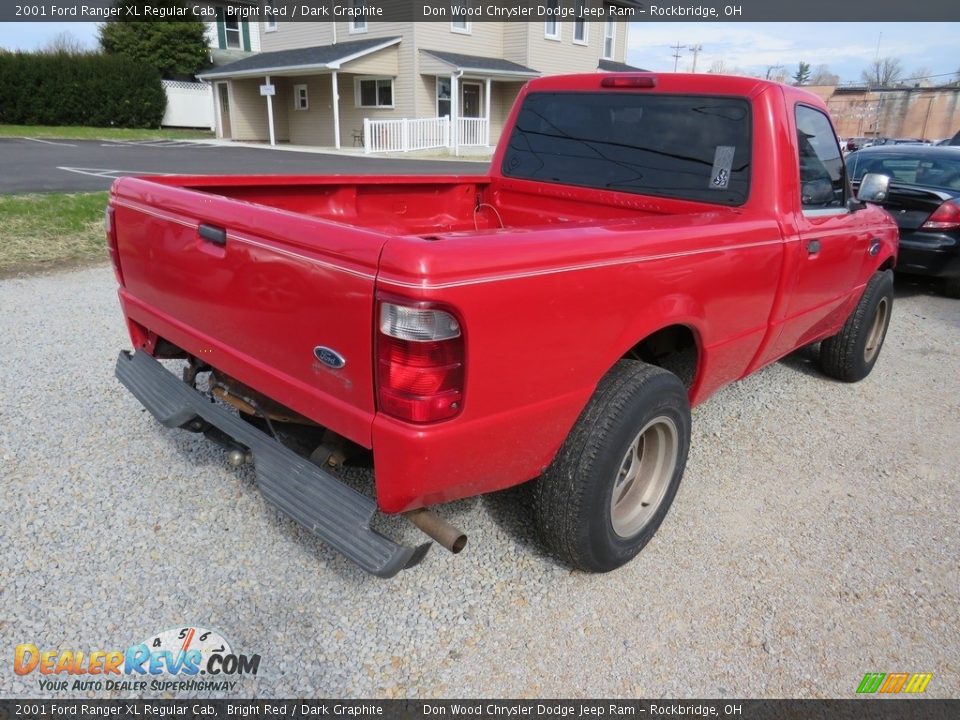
(639, 241)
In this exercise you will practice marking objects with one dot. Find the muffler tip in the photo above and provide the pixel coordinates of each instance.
(458, 544)
(453, 539)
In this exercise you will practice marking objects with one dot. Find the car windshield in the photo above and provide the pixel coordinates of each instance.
(690, 147)
(927, 170)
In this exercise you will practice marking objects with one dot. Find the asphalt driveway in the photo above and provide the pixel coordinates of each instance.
(30, 165)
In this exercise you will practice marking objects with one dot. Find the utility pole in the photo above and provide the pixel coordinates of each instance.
(695, 49)
(676, 54)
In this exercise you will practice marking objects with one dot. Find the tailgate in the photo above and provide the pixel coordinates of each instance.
(253, 291)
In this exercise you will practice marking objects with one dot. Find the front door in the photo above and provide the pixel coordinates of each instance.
(825, 257)
(471, 100)
(223, 96)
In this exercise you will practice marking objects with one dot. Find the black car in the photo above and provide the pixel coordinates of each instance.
(924, 199)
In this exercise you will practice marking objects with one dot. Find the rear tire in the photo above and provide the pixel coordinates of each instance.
(851, 354)
(613, 481)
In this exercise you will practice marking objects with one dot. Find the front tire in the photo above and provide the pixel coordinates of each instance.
(851, 354)
(613, 481)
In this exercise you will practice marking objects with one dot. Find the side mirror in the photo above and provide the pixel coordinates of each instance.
(874, 188)
(816, 192)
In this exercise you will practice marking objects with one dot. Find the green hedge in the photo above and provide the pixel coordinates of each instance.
(90, 90)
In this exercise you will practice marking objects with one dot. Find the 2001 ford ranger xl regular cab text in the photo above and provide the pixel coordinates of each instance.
(640, 241)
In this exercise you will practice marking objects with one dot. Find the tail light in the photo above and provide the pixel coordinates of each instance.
(945, 217)
(420, 357)
(629, 81)
(110, 228)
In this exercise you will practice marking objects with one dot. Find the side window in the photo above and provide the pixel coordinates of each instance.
(822, 184)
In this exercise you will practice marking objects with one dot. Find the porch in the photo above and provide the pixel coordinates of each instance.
(308, 96)
(355, 95)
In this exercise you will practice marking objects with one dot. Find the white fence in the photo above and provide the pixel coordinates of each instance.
(188, 104)
(473, 132)
(405, 134)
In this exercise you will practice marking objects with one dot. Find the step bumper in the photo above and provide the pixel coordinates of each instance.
(317, 500)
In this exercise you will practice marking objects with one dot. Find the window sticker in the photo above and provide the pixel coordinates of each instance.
(722, 162)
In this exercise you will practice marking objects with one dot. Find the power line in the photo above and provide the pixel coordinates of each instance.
(695, 49)
(858, 83)
(676, 54)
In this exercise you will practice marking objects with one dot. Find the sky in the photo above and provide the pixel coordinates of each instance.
(846, 48)
(748, 47)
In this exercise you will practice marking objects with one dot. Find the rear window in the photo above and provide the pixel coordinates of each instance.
(929, 170)
(679, 146)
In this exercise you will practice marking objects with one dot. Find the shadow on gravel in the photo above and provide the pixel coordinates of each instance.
(907, 286)
(512, 511)
(804, 361)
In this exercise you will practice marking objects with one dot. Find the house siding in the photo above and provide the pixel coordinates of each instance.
(414, 73)
(503, 96)
(290, 35)
(248, 112)
(313, 126)
(516, 43)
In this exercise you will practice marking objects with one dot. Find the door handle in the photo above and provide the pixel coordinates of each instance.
(813, 247)
(213, 234)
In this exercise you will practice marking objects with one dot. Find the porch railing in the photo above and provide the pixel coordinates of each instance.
(405, 134)
(473, 132)
(408, 134)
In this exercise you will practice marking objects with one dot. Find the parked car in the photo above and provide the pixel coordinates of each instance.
(899, 141)
(924, 199)
(955, 140)
(639, 241)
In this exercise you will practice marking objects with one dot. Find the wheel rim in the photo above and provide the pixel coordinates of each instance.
(644, 476)
(877, 329)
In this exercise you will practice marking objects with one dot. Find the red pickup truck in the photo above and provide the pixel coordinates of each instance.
(639, 241)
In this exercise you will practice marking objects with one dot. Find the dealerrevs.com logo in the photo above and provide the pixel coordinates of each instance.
(182, 653)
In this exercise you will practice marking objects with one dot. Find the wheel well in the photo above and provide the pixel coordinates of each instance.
(887, 264)
(673, 348)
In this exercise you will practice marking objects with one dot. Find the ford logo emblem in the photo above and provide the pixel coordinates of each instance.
(330, 358)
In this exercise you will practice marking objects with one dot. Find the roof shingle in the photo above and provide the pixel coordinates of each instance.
(477, 62)
(319, 55)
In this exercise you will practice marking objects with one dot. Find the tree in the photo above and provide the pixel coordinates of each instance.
(64, 43)
(822, 76)
(174, 49)
(919, 77)
(777, 73)
(883, 72)
(718, 67)
(802, 75)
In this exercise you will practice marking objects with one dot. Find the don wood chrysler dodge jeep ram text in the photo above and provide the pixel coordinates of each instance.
(640, 241)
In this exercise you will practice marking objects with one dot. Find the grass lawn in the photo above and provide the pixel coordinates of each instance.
(39, 232)
(93, 133)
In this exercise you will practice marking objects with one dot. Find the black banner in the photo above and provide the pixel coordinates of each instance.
(484, 10)
(876, 709)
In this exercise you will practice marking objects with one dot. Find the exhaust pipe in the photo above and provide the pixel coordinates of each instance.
(439, 529)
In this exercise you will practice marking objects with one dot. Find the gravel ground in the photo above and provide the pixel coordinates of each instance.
(815, 538)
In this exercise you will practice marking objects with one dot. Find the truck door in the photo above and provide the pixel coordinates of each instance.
(829, 241)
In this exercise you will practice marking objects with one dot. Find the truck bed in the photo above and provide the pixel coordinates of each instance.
(299, 260)
(425, 205)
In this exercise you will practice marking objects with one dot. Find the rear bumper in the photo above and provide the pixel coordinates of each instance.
(335, 513)
(933, 254)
